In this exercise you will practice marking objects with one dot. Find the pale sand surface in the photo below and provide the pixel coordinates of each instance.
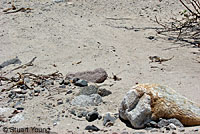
(62, 34)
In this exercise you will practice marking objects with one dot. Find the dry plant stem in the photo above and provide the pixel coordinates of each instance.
(198, 6)
(188, 8)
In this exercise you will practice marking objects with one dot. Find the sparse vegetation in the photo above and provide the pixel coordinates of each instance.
(188, 27)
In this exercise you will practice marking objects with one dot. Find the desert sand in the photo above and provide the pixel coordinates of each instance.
(113, 35)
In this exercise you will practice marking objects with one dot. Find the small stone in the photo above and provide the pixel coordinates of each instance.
(98, 75)
(172, 126)
(62, 86)
(88, 90)
(108, 118)
(92, 128)
(103, 92)
(79, 115)
(163, 123)
(175, 122)
(81, 83)
(74, 80)
(59, 102)
(73, 112)
(37, 91)
(17, 118)
(20, 108)
(196, 130)
(151, 37)
(174, 132)
(91, 116)
(69, 92)
(84, 100)
(19, 91)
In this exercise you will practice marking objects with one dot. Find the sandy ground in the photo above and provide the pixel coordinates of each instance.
(109, 34)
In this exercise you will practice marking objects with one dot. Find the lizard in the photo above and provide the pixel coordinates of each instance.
(159, 59)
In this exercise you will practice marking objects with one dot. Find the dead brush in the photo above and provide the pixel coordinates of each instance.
(188, 27)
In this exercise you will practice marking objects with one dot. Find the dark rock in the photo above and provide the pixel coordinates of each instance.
(107, 118)
(79, 115)
(73, 112)
(97, 76)
(36, 91)
(62, 86)
(103, 92)
(84, 100)
(91, 116)
(74, 80)
(81, 83)
(89, 90)
(59, 102)
(20, 108)
(69, 92)
(9, 62)
(92, 128)
(151, 37)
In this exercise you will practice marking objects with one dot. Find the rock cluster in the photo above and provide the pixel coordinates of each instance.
(146, 102)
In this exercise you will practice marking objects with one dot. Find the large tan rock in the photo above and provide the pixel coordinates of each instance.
(164, 103)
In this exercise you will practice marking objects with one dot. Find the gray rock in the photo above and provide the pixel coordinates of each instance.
(9, 62)
(84, 100)
(62, 86)
(89, 90)
(107, 118)
(172, 126)
(163, 123)
(17, 118)
(97, 76)
(166, 122)
(153, 101)
(103, 92)
(175, 122)
(136, 108)
(81, 83)
(91, 116)
(69, 91)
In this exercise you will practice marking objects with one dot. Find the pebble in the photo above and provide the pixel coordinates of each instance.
(17, 118)
(73, 112)
(108, 118)
(59, 102)
(172, 126)
(69, 91)
(62, 86)
(81, 83)
(91, 116)
(104, 92)
(92, 128)
(88, 90)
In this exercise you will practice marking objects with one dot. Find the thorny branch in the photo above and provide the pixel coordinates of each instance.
(187, 29)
